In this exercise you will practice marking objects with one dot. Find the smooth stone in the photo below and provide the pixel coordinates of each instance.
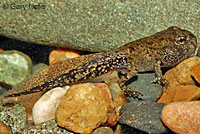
(144, 116)
(142, 83)
(112, 111)
(44, 109)
(118, 95)
(85, 107)
(15, 67)
(181, 74)
(196, 72)
(95, 25)
(49, 127)
(13, 115)
(55, 55)
(103, 130)
(182, 117)
(180, 93)
(4, 129)
(38, 67)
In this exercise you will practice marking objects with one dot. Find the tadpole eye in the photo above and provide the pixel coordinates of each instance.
(181, 40)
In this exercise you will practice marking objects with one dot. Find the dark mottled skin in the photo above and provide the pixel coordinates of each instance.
(163, 49)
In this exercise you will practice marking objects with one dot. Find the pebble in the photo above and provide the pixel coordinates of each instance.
(37, 67)
(49, 127)
(196, 72)
(4, 129)
(44, 109)
(85, 107)
(125, 129)
(15, 67)
(180, 93)
(118, 95)
(60, 54)
(13, 115)
(181, 74)
(103, 130)
(142, 115)
(143, 84)
(182, 117)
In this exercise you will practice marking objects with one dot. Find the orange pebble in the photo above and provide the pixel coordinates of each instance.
(4, 129)
(196, 72)
(61, 52)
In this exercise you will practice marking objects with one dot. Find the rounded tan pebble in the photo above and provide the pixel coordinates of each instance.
(112, 112)
(182, 117)
(180, 93)
(4, 129)
(181, 74)
(45, 108)
(103, 130)
(60, 54)
(196, 72)
(82, 109)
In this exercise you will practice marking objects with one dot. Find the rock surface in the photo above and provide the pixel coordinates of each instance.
(103, 130)
(13, 115)
(144, 116)
(44, 109)
(94, 26)
(196, 72)
(60, 53)
(181, 83)
(85, 107)
(15, 67)
(181, 74)
(180, 93)
(143, 84)
(4, 129)
(37, 67)
(49, 127)
(182, 117)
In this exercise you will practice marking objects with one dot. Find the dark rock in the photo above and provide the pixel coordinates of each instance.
(49, 127)
(13, 114)
(144, 116)
(142, 83)
(125, 129)
(15, 67)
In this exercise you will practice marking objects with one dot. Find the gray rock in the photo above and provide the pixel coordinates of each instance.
(15, 67)
(125, 129)
(103, 130)
(94, 25)
(13, 114)
(144, 116)
(49, 127)
(142, 83)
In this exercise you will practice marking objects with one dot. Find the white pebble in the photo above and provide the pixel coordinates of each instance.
(44, 109)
